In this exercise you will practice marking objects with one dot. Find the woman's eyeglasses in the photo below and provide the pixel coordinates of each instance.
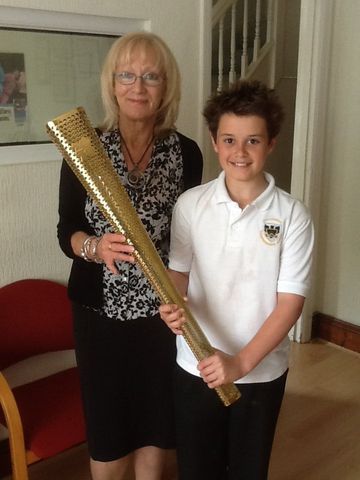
(127, 78)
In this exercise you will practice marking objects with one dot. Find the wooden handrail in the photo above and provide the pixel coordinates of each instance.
(219, 10)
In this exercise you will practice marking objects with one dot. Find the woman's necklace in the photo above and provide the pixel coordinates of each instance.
(135, 177)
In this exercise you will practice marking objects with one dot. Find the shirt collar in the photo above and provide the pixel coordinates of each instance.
(262, 202)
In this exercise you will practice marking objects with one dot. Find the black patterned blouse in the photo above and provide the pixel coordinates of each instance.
(128, 296)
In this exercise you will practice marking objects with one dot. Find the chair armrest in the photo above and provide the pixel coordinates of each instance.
(16, 434)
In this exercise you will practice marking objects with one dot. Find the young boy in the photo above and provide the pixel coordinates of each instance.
(241, 253)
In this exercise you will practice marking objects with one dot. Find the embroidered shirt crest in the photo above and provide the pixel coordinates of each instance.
(271, 232)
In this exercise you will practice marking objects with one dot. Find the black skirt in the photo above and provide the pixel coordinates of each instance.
(126, 371)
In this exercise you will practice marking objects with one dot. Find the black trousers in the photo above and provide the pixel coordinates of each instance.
(215, 442)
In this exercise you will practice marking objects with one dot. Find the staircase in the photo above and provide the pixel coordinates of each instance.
(243, 41)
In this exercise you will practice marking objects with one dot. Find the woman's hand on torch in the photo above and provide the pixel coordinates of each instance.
(112, 247)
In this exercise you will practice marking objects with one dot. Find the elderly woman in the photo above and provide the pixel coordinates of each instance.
(124, 351)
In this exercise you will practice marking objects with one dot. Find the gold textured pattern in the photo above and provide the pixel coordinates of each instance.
(82, 149)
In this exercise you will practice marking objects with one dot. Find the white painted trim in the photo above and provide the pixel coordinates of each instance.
(276, 14)
(265, 51)
(58, 21)
(309, 129)
(204, 80)
(13, 154)
(70, 22)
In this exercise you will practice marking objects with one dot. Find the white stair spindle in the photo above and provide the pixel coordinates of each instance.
(257, 31)
(232, 72)
(270, 10)
(221, 55)
(244, 56)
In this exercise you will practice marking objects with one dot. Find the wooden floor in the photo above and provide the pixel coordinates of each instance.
(318, 436)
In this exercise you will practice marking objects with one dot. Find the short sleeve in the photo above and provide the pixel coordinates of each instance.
(181, 251)
(296, 254)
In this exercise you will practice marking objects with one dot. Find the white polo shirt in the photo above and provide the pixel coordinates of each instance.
(238, 260)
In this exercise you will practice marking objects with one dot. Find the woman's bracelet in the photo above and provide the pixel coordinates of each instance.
(88, 249)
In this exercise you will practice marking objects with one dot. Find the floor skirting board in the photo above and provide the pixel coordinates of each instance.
(336, 331)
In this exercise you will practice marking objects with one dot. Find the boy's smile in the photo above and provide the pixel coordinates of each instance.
(243, 145)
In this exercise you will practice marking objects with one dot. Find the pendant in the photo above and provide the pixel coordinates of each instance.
(135, 178)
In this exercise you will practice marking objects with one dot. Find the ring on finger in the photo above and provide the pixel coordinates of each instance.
(110, 246)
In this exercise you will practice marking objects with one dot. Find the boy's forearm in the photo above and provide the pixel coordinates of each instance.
(273, 331)
(180, 280)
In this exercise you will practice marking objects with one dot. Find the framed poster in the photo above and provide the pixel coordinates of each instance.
(44, 74)
(13, 99)
(50, 63)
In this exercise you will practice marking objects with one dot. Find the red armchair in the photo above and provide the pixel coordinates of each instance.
(44, 415)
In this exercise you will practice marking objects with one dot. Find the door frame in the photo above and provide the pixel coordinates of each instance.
(316, 19)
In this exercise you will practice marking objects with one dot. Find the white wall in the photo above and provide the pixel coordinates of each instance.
(29, 191)
(338, 273)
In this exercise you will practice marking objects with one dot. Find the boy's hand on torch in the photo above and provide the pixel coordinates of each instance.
(173, 316)
(220, 369)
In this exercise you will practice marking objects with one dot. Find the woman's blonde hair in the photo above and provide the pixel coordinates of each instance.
(124, 50)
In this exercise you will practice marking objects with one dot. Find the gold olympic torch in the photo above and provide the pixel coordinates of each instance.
(79, 144)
